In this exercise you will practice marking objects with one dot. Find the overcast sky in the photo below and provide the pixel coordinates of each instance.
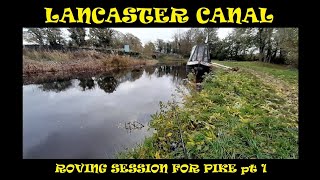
(152, 34)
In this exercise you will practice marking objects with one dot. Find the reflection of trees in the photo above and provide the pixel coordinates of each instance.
(150, 70)
(178, 72)
(108, 83)
(123, 77)
(86, 83)
(136, 74)
(56, 86)
(128, 75)
(161, 71)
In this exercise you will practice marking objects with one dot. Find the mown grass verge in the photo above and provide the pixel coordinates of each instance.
(287, 74)
(235, 116)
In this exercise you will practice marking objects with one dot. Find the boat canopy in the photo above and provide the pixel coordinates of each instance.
(200, 54)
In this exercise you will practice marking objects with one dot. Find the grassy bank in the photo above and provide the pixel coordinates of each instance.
(78, 61)
(287, 74)
(242, 114)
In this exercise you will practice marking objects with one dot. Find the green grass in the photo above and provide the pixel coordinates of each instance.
(287, 74)
(235, 116)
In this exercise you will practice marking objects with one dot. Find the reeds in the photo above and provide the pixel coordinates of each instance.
(36, 61)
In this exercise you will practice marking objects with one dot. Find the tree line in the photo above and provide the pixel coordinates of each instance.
(80, 37)
(271, 45)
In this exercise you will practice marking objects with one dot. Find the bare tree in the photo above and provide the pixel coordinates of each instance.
(77, 36)
(101, 37)
(35, 35)
(149, 48)
(160, 44)
(54, 36)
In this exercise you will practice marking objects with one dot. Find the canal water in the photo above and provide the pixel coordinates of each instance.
(94, 117)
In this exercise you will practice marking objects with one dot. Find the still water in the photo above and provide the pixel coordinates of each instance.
(94, 116)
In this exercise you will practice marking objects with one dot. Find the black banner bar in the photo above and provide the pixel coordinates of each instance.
(282, 13)
(161, 167)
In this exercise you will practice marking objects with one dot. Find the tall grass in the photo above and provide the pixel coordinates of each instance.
(46, 55)
(35, 61)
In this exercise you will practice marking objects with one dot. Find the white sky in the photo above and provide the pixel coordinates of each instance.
(152, 34)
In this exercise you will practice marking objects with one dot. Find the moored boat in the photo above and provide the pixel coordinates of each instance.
(199, 60)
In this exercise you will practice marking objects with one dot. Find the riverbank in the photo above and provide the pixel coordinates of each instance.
(251, 113)
(35, 62)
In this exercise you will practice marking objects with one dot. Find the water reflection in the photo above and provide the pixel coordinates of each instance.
(150, 70)
(57, 86)
(86, 83)
(136, 74)
(109, 82)
(94, 116)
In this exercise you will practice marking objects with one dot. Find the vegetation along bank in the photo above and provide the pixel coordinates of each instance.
(35, 61)
(251, 113)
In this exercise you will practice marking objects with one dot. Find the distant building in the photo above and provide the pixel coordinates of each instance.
(126, 48)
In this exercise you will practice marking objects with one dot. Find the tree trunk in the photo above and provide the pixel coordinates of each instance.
(274, 54)
(261, 45)
(261, 53)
